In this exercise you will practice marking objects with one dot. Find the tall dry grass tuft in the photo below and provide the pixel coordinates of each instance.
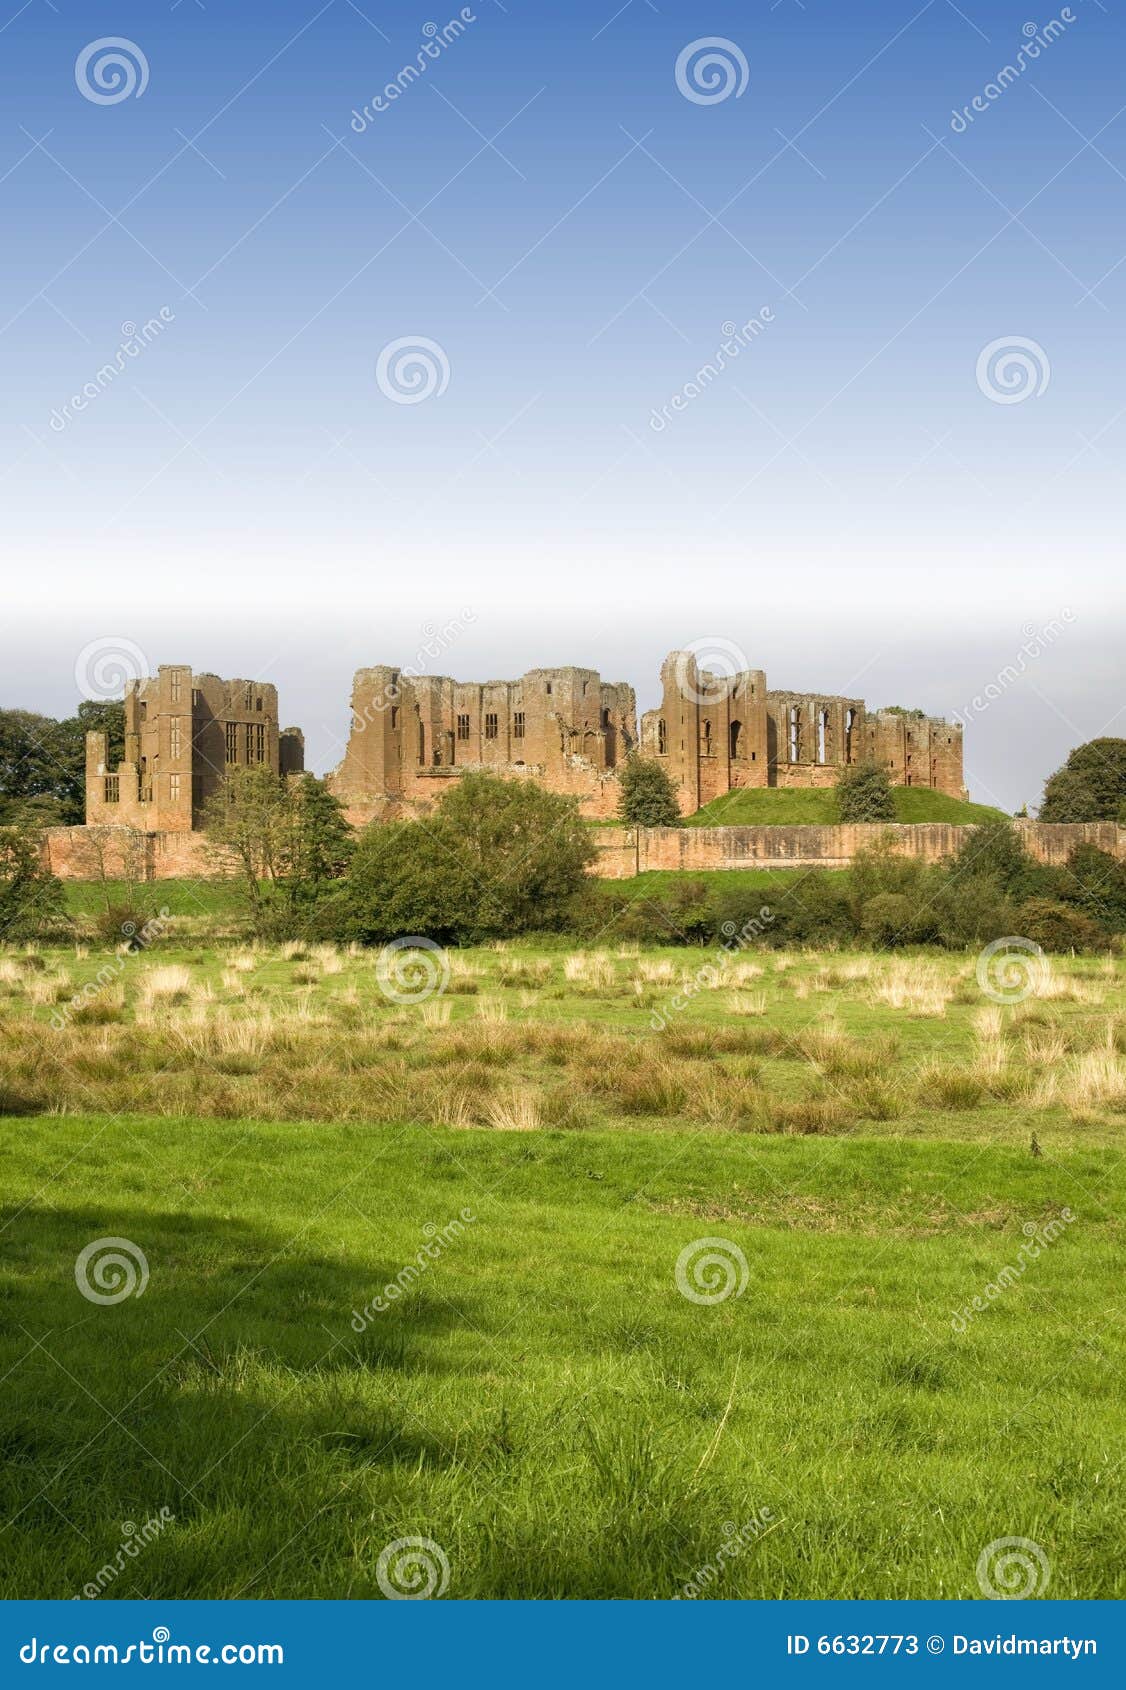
(492, 1010)
(515, 1111)
(746, 1003)
(436, 1012)
(171, 983)
(916, 986)
(589, 968)
(655, 973)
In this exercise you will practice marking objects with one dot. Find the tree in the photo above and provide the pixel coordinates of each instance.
(319, 842)
(29, 892)
(287, 839)
(28, 775)
(497, 857)
(43, 761)
(864, 794)
(247, 823)
(647, 797)
(993, 851)
(1090, 787)
(1096, 882)
(1067, 798)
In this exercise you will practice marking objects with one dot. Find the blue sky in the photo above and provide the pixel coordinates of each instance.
(567, 233)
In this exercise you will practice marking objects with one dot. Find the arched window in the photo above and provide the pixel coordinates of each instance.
(422, 742)
(850, 723)
(734, 734)
(662, 739)
(795, 732)
(823, 735)
(707, 739)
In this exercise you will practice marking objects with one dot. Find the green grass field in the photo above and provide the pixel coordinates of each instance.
(793, 806)
(540, 1395)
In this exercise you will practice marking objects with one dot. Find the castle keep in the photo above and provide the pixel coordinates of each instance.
(182, 733)
(715, 733)
(411, 735)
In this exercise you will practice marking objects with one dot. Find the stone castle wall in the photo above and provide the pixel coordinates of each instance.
(78, 853)
(624, 852)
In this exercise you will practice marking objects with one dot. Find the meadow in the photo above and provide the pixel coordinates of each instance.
(606, 1271)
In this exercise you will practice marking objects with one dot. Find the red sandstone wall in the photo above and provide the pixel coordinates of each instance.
(622, 851)
(76, 853)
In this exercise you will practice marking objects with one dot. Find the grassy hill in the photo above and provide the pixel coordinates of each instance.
(794, 806)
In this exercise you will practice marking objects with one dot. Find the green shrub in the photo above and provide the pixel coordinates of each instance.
(1095, 882)
(1057, 926)
(864, 794)
(970, 911)
(30, 895)
(497, 858)
(647, 797)
(888, 919)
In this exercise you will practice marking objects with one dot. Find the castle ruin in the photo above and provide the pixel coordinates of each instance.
(182, 734)
(571, 731)
(717, 733)
(411, 735)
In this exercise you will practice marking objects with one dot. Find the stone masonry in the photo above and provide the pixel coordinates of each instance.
(717, 733)
(182, 733)
(412, 735)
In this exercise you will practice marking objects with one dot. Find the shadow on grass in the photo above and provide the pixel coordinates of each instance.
(235, 1377)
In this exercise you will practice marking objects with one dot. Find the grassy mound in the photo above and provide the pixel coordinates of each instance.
(800, 806)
